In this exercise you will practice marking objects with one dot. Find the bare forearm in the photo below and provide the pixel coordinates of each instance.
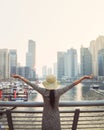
(82, 78)
(23, 79)
(20, 77)
(78, 81)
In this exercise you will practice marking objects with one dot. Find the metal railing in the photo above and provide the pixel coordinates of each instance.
(74, 115)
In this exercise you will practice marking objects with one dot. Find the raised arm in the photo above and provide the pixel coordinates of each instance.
(20, 77)
(68, 87)
(82, 78)
(34, 86)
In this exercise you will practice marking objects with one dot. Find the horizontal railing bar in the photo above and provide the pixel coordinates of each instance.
(91, 123)
(66, 117)
(88, 127)
(89, 120)
(32, 126)
(93, 128)
(28, 128)
(38, 128)
(27, 121)
(36, 120)
(38, 117)
(27, 116)
(31, 121)
(93, 116)
(66, 120)
(68, 124)
(61, 111)
(40, 111)
(68, 128)
(27, 111)
(92, 111)
(61, 104)
(25, 125)
(97, 125)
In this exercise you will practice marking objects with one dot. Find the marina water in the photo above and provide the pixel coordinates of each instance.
(79, 92)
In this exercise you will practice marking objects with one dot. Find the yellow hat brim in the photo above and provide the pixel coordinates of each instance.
(50, 86)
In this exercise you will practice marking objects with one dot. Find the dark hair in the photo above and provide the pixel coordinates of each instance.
(52, 98)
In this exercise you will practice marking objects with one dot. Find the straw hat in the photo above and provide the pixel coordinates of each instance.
(50, 83)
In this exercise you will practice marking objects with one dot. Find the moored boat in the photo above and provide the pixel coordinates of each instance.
(94, 86)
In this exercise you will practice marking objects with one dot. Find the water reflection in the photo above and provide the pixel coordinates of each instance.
(73, 94)
(79, 92)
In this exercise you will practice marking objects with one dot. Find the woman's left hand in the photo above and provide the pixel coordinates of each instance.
(89, 76)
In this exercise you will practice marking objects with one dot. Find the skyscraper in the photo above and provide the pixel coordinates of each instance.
(95, 46)
(85, 61)
(13, 61)
(101, 62)
(71, 65)
(60, 64)
(31, 54)
(31, 58)
(4, 64)
(93, 55)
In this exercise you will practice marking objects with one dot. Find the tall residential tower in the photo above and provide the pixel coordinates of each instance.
(60, 64)
(95, 46)
(31, 59)
(71, 65)
(85, 61)
(4, 64)
(13, 61)
(31, 54)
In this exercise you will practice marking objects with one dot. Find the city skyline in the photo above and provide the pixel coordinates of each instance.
(54, 25)
(91, 61)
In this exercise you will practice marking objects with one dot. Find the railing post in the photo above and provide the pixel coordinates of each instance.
(75, 120)
(9, 119)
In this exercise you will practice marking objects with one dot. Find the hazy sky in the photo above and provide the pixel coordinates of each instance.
(55, 25)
